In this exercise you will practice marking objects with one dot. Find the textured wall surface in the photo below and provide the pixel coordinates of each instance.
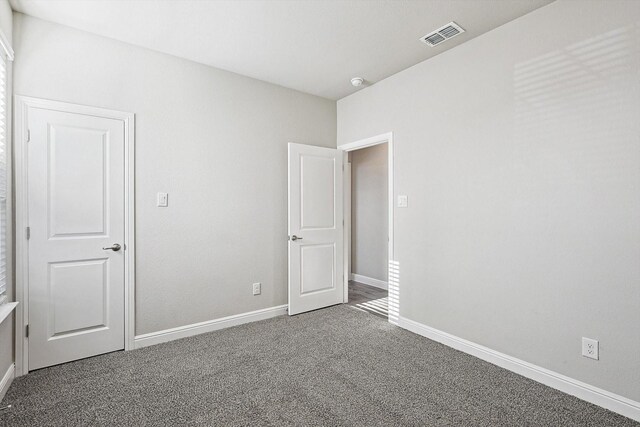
(520, 153)
(214, 140)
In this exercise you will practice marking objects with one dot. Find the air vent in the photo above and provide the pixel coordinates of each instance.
(441, 34)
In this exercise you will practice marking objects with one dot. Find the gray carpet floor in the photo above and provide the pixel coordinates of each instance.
(333, 367)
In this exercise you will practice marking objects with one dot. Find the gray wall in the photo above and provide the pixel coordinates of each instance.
(520, 154)
(6, 19)
(214, 140)
(6, 327)
(6, 345)
(370, 212)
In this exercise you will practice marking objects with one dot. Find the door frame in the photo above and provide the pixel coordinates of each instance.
(357, 145)
(21, 134)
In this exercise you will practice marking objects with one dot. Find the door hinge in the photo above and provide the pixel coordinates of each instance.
(28, 135)
(27, 232)
(26, 332)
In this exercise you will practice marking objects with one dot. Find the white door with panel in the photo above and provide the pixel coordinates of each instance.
(76, 217)
(316, 266)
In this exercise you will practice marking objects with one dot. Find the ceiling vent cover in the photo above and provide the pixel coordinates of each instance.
(441, 34)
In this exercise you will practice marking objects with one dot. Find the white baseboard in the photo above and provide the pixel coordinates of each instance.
(595, 395)
(166, 335)
(7, 379)
(370, 281)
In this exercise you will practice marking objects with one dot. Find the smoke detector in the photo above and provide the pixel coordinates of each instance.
(443, 33)
(357, 81)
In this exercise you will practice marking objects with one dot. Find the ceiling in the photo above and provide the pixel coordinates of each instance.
(314, 46)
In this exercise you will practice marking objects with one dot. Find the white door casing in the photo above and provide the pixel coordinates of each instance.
(316, 266)
(76, 202)
(347, 224)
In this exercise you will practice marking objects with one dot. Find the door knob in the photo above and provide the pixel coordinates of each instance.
(294, 238)
(115, 248)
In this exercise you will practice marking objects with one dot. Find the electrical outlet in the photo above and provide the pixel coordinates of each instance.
(257, 288)
(590, 348)
(403, 201)
(163, 200)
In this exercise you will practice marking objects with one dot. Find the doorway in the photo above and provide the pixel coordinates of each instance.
(370, 280)
(74, 194)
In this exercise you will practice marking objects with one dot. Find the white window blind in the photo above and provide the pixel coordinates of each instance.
(4, 99)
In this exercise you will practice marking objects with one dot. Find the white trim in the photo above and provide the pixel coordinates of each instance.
(6, 381)
(346, 253)
(6, 309)
(22, 105)
(595, 395)
(6, 46)
(367, 142)
(153, 338)
(364, 143)
(21, 219)
(370, 281)
(130, 232)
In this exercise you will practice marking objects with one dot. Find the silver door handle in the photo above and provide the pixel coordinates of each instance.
(115, 248)
(294, 238)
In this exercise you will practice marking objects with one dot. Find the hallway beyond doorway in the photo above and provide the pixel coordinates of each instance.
(369, 298)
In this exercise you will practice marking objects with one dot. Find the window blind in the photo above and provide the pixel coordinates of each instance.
(3, 175)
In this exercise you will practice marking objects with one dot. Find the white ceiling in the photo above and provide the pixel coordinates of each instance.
(315, 46)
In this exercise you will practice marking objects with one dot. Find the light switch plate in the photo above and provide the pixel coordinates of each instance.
(163, 200)
(403, 201)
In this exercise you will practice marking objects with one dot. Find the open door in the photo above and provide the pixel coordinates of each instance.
(316, 265)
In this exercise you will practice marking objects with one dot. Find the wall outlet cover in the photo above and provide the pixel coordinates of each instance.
(403, 201)
(257, 288)
(590, 348)
(163, 200)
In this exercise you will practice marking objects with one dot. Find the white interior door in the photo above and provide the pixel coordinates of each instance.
(316, 262)
(76, 209)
